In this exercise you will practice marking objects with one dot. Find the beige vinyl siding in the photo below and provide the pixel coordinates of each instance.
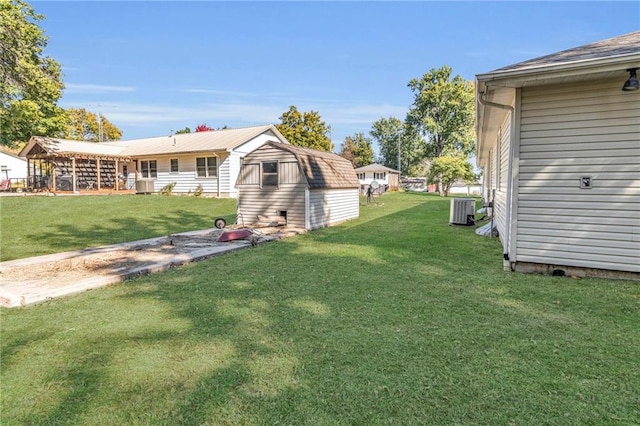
(249, 174)
(500, 161)
(289, 195)
(288, 167)
(236, 157)
(254, 201)
(566, 132)
(330, 206)
(494, 167)
(496, 178)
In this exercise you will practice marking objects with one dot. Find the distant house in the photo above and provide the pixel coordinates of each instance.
(12, 166)
(13, 171)
(386, 177)
(310, 189)
(207, 160)
(559, 143)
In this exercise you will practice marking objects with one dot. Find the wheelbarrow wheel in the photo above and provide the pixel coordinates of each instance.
(220, 223)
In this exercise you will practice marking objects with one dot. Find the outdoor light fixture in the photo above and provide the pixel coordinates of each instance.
(632, 83)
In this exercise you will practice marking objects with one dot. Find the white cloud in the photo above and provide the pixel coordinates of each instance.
(95, 88)
(145, 120)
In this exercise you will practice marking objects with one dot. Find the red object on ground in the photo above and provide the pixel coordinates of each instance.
(235, 234)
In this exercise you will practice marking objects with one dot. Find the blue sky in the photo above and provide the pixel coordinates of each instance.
(154, 67)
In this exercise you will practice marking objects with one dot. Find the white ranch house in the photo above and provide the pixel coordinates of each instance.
(559, 142)
(207, 160)
(385, 176)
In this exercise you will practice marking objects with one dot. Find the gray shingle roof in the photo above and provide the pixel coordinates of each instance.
(626, 44)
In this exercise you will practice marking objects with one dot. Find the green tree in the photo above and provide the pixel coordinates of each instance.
(391, 134)
(185, 130)
(443, 112)
(30, 83)
(305, 129)
(446, 169)
(357, 149)
(83, 125)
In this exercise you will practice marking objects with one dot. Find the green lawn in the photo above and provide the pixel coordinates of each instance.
(32, 226)
(394, 318)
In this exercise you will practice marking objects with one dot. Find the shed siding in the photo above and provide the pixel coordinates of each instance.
(330, 206)
(288, 196)
(288, 167)
(567, 132)
(236, 157)
(254, 201)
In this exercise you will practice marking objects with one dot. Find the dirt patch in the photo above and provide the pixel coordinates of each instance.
(56, 273)
(44, 273)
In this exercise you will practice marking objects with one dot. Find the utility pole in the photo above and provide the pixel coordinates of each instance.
(100, 127)
(399, 171)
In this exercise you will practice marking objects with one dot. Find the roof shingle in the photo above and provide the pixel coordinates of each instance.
(626, 44)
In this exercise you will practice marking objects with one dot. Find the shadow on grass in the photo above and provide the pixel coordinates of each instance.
(121, 230)
(55, 224)
(394, 318)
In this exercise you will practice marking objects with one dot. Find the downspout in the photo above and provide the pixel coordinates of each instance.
(506, 263)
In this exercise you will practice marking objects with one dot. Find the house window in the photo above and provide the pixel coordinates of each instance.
(207, 166)
(361, 176)
(380, 176)
(270, 173)
(149, 169)
(174, 165)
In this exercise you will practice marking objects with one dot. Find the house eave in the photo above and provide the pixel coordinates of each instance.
(499, 87)
(588, 69)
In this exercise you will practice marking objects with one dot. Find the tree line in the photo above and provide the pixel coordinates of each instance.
(434, 139)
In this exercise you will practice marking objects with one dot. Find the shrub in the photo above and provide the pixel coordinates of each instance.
(167, 189)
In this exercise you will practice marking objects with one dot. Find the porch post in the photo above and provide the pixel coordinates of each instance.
(117, 176)
(98, 173)
(73, 174)
(53, 175)
(26, 184)
(33, 174)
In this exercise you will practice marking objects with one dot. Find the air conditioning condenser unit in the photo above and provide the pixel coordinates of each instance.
(144, 186)
(462, 211)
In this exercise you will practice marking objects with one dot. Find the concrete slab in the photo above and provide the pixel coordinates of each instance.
(38, 279)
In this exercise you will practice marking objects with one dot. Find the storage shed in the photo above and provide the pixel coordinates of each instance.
(310, 189)
(558, 139)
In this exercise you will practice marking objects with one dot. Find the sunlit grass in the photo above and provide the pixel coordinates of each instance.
(394, 318)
